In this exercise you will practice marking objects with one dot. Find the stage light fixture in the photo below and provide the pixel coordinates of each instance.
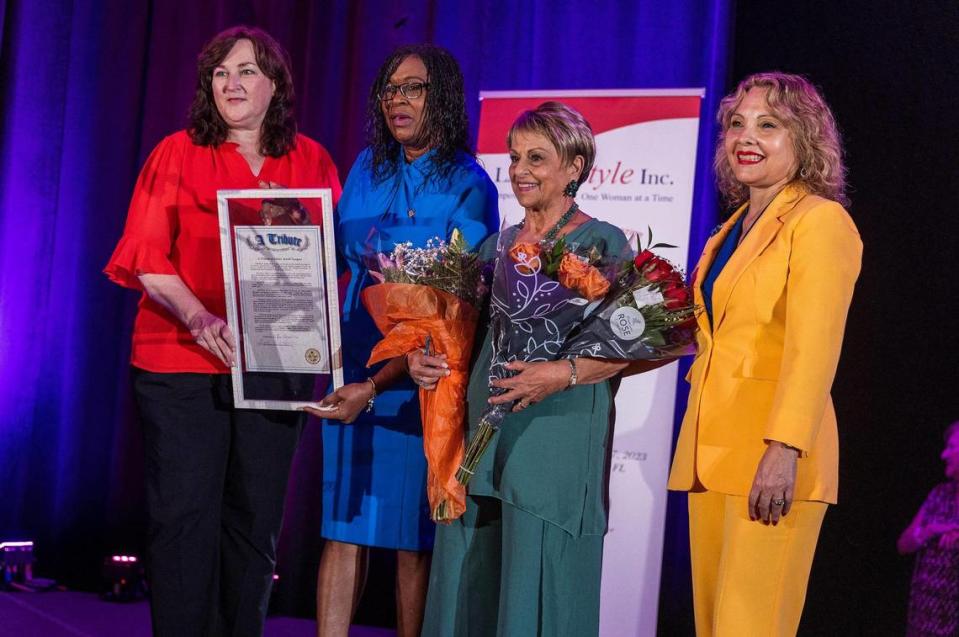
(16, 568)
(16, 563)
(123, 578)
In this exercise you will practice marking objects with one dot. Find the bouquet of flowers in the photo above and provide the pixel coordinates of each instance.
(548, 302)
(426, 299)
(647, 315)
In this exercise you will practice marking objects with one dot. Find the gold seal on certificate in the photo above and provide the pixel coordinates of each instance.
(279, 270)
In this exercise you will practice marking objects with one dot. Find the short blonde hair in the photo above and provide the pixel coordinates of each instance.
(811, 125)
(565, 128)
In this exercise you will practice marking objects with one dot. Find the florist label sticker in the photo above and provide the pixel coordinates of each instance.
(647, 296)
(627, 323)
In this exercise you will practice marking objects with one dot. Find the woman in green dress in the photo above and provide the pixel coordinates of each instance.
(526, 557)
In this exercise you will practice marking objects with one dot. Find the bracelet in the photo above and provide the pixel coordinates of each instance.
(572, 372)
(369, 403)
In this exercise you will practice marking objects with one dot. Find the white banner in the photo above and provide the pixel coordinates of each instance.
(642, 178)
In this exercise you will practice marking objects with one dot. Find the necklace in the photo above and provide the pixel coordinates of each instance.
(745, 230)
(551, 235)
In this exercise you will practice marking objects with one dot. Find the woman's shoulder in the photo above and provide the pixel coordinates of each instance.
(361, 172)
(821, 210)
(311, 149)
(170, 153)
(599, 228)
(466, 170)
(468, 163)
(179, 142)
(487, 249)
(943, 492)
(602, 234)
(179, 138)
(363, 161)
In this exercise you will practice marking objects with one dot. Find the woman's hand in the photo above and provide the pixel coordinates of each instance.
(213, 334)
(345, 404)
(272, 209)
(771, 496)
(533, 383)
(426, 370)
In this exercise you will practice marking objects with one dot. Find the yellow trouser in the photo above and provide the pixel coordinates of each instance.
(749, 578)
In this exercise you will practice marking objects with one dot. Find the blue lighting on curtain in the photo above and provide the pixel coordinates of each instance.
(87, 88)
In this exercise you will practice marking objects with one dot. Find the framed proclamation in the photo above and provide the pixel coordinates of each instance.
(282, 305)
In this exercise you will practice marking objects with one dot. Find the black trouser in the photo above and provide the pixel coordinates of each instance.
(215, 481)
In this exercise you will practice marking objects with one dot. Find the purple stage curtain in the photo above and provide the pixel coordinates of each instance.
(88, 88)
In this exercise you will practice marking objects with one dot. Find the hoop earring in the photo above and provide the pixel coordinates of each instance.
(803, 173)
(571, 188)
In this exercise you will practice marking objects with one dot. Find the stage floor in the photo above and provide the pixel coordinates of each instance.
(68, 614)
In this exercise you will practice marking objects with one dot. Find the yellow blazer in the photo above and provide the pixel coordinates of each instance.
(765, 367)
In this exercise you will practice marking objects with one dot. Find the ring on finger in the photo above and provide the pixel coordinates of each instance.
(779, 502)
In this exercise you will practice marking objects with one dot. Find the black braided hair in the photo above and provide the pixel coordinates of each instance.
(445, 125)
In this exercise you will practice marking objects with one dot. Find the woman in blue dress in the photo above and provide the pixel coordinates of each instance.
(418, 179)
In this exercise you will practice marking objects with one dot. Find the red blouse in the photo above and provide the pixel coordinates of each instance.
(172, 228)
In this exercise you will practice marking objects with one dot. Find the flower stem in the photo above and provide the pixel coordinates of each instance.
(474, 451)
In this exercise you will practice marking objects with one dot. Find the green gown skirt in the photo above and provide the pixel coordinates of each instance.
(501, 571)
(526, 557)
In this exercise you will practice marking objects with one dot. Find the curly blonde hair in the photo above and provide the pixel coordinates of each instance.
(811, 125)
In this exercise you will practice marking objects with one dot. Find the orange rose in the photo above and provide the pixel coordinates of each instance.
(572, 271)
(595, 286)
(526, 254)
(576, 274)
(523, 252)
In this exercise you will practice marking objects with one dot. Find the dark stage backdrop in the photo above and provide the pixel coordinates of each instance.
(889, 70)
(88, 87)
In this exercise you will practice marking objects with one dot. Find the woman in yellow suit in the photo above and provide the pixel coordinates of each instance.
(758, 448)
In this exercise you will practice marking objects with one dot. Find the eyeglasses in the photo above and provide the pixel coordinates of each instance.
(410, 90)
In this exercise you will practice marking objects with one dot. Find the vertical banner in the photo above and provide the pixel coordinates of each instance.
(642, 179)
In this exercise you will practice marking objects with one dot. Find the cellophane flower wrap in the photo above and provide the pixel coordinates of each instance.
(648, 314)
(550, 302)
(430, 296)
(540, 293)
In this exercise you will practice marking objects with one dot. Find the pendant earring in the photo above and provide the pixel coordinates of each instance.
(571, 188)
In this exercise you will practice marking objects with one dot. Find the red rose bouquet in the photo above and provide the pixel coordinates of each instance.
(549, 302)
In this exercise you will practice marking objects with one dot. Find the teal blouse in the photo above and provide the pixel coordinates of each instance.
(550, 459)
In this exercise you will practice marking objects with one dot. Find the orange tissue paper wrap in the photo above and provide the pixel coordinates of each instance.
(406, 314)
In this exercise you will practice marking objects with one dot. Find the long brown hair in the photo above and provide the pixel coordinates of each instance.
(278, 132)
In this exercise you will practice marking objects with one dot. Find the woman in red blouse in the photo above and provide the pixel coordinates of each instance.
(215, 476)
